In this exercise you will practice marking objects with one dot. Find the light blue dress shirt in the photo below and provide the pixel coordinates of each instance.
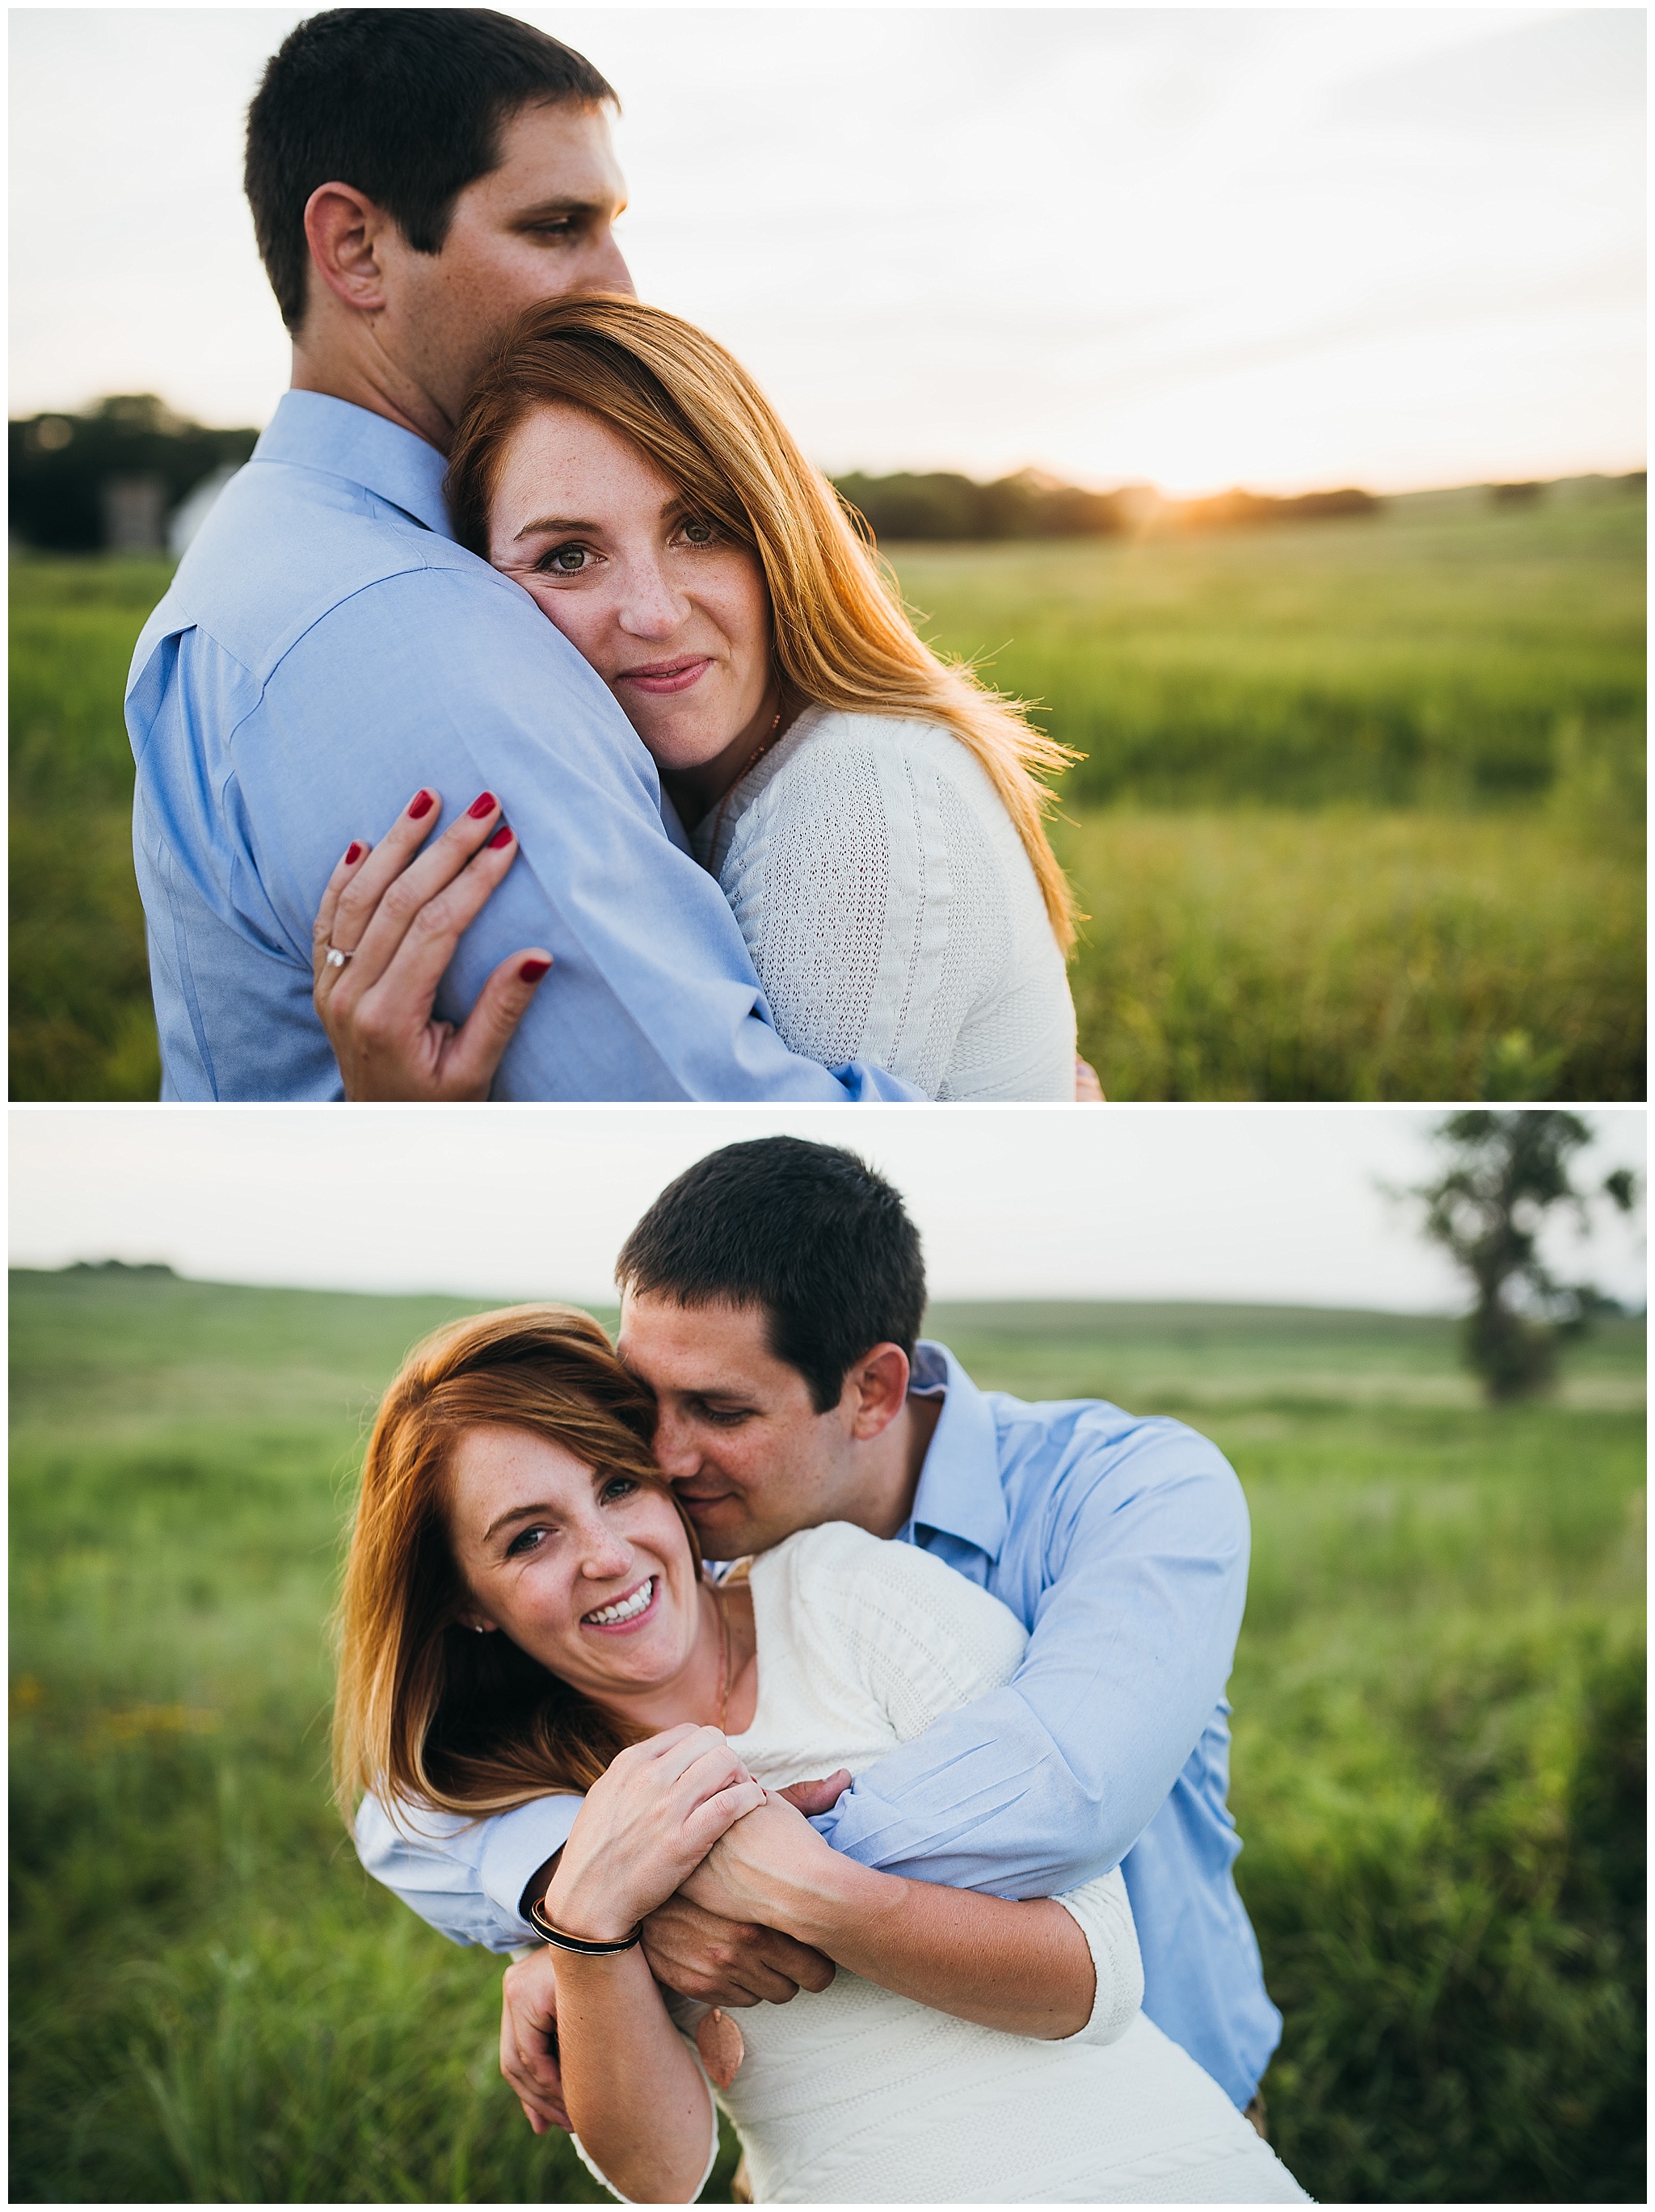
(325, 647)
(1121, 1546)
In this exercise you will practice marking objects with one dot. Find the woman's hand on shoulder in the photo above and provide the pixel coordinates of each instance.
(385, 931)
(645, 1825)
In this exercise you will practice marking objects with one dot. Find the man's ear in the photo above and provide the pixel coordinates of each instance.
(342, 228)
(878, 1390)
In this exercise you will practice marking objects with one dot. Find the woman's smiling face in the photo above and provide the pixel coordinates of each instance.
(590, 1574)
(671, 612)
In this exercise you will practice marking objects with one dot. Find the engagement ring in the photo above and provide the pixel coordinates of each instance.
(336, 958)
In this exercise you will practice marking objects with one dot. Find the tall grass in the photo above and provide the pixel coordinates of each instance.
(1441, 653)
(1438, 1729)
(82, 1022)
(1360, 818)
(1343, 954)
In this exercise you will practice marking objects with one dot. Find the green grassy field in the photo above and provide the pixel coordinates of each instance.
(1438, 1759)
(1361, 811)
(1361, 815)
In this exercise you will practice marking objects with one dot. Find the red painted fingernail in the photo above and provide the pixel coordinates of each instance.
(533, 970)
(353, 854)
(484, 803)
(421, 804)
(500, 838)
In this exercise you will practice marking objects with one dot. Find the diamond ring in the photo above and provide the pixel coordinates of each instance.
(336, 958)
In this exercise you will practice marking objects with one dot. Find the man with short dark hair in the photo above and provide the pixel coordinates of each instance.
(771, 1300)
(806, 1233)
(418, 177)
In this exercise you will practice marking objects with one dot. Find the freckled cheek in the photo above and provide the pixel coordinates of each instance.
(745, 619)
(586, 622)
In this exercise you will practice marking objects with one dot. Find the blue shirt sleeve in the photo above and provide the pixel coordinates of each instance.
(1133, 1594)
(252, 782)
(465, 1878)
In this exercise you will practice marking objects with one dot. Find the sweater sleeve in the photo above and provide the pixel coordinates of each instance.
(1105, 1913)
(870, 904)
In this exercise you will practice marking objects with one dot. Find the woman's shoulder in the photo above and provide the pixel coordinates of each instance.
(863, 764)
(846, 729)
(893, 1594)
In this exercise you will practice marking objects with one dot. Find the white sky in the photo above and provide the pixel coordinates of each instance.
(1284, 247)
(1261, 1205)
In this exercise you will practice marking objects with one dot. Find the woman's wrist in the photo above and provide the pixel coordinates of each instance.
(816, 1902)
(585, 1911)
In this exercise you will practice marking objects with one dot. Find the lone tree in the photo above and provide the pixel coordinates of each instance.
(1505, 1172)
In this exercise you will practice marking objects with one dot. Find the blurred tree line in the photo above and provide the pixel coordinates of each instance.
(72, 474)
(945, 506)
(81, 482)
(111, 475)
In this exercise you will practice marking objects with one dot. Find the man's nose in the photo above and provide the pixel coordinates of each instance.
(675, 1452)
(608, 271)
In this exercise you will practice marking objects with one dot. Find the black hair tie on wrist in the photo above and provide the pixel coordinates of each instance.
(579, 1942)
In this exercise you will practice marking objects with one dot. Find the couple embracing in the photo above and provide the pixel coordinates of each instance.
(899, 1831)
(719, 824)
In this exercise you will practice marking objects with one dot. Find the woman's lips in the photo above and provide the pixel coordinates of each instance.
(652, 1582)
(664, 677)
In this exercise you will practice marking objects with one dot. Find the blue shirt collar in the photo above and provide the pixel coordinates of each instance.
(959, 1489)
(313, 431)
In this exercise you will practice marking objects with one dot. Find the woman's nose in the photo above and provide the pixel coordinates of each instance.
(605, 1561)
(649, 607)
(600, 1538)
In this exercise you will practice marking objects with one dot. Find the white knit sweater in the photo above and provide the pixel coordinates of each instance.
(858, 2096)
(892, 911)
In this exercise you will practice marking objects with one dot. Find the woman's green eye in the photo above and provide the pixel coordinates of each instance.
(569, 560)
(698, 533)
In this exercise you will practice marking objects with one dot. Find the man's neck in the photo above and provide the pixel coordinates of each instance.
(371, 381)
(892, 1483)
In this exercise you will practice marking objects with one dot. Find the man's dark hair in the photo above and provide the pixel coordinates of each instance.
(809, 1232)
(406, 104)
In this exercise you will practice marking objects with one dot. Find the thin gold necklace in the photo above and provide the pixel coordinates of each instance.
(723, 1666)
(753, 761)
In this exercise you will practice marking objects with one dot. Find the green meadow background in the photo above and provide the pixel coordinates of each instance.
(1438, 1769)
(1360, 818)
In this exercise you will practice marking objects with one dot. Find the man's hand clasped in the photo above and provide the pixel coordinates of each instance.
(388, 926)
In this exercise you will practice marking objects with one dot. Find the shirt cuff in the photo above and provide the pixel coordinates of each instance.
(518, 1843)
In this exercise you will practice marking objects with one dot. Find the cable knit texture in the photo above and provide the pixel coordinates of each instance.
(891, 912)
(856, 2095)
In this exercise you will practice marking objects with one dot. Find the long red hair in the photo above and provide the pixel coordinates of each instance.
(842, 637)
(427, 1711)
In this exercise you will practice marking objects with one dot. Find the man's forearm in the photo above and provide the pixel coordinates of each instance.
(1049, 1781)
(1024, 1968)
(467, 1878)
